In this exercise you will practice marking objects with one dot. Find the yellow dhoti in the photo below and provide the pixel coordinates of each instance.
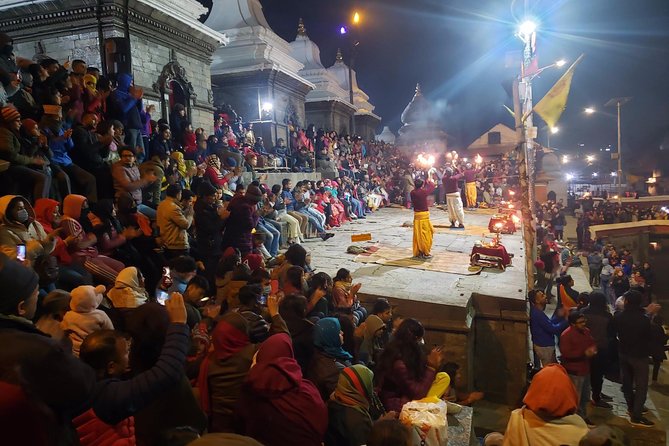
(422, 233)
(470, 194)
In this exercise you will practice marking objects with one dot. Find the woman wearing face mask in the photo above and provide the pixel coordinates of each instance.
(404, 372)
(19, 227)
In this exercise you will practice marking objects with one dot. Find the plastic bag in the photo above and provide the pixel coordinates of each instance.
(427, 421)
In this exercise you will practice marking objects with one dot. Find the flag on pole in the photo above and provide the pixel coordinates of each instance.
(551, 106)
(511, 112)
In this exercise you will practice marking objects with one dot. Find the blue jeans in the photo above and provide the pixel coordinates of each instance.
(147, 210)
(133, 138)
(582, 384)
(272, 237)
(313, 220)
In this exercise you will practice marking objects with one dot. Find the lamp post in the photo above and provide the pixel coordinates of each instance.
(353, 43)
(551, 131)
(618, 103)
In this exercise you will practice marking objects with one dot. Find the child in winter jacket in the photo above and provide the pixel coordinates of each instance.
(84, 317)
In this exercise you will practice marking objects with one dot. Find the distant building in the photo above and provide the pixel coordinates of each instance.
(161, 43)
(494, 143)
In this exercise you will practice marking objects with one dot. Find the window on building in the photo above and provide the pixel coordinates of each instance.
(494, 138)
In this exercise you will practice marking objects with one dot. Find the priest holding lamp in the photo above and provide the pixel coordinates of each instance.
(423, 231)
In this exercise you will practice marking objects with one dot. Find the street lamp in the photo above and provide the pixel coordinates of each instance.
(353, 43)
(527, 28)
(560, 63)
(551, 131)
(618, 103)
(589, 110)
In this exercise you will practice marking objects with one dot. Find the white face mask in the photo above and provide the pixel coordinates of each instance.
(421, 341)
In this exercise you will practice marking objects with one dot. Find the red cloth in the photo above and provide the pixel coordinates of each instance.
(228, 338)
(92, 431)
(499, 251)
(189, 143)
(44, 210)
(573, 344)
(279, 406)
(552, 393)
(254, 261)
(22, 420)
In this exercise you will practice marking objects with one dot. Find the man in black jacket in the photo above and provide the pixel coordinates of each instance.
(36, 363)
(89, 153)
(633, 329)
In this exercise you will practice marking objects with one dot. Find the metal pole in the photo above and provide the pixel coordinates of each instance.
(350, 87)
(620, 161)
(529, 234)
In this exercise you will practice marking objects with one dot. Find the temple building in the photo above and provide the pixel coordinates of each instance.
(386, 136)
(420, 129)
(255, 74)
(327, 106)
(161, 43)
(366, 122)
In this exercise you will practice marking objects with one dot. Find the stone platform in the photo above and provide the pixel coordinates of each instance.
(480, 319)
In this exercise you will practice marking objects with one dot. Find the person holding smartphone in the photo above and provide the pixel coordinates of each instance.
(19, 227)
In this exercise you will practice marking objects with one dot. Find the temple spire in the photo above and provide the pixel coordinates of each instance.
(339, 57)
(301, 30)
(419, 92)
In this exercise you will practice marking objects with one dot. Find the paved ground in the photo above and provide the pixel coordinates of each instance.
(386, 229)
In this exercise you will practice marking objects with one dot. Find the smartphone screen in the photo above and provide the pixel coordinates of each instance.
(21, 253)
(161, 297)
(274, 286)
(262, 300)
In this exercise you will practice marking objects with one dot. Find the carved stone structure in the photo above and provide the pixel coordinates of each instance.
(160, 42)
(366, 122)
(327, 106)
(421, 130)
(255, 72)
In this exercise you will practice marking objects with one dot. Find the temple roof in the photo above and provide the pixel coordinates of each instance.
(419, 110)
(305, 50)
(253, 45)
(360, 98)
(419, 119)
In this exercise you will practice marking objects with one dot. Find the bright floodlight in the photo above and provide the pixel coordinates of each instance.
(554, 130)
(356, 18)
(569, 176)
(343, 30)
(595, 174)
(527, 28)
(560, 63)
(590, 158)
(565, 159)
(589, 110)
(267, 107)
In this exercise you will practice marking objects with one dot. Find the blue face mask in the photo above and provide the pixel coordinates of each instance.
(266, 290)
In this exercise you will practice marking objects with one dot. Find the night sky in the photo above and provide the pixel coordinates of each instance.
(456, 49)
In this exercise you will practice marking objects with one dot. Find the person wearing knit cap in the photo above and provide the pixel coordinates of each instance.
(19, 286)
(19, 164)
(55, 380)
(84, 317)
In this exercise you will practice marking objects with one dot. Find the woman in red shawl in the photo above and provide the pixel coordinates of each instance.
(213, 172)
(549, 414)
(279, 406)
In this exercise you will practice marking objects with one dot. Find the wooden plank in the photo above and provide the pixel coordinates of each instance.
(361, 237)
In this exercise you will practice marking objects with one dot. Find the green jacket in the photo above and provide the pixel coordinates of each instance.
(10, 148)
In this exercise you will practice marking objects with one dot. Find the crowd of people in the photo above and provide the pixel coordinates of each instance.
(613, 331)
(157, 289)
(148, 297)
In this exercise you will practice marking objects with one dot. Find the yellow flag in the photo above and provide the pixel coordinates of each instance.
(551, 106)
(513, 115)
